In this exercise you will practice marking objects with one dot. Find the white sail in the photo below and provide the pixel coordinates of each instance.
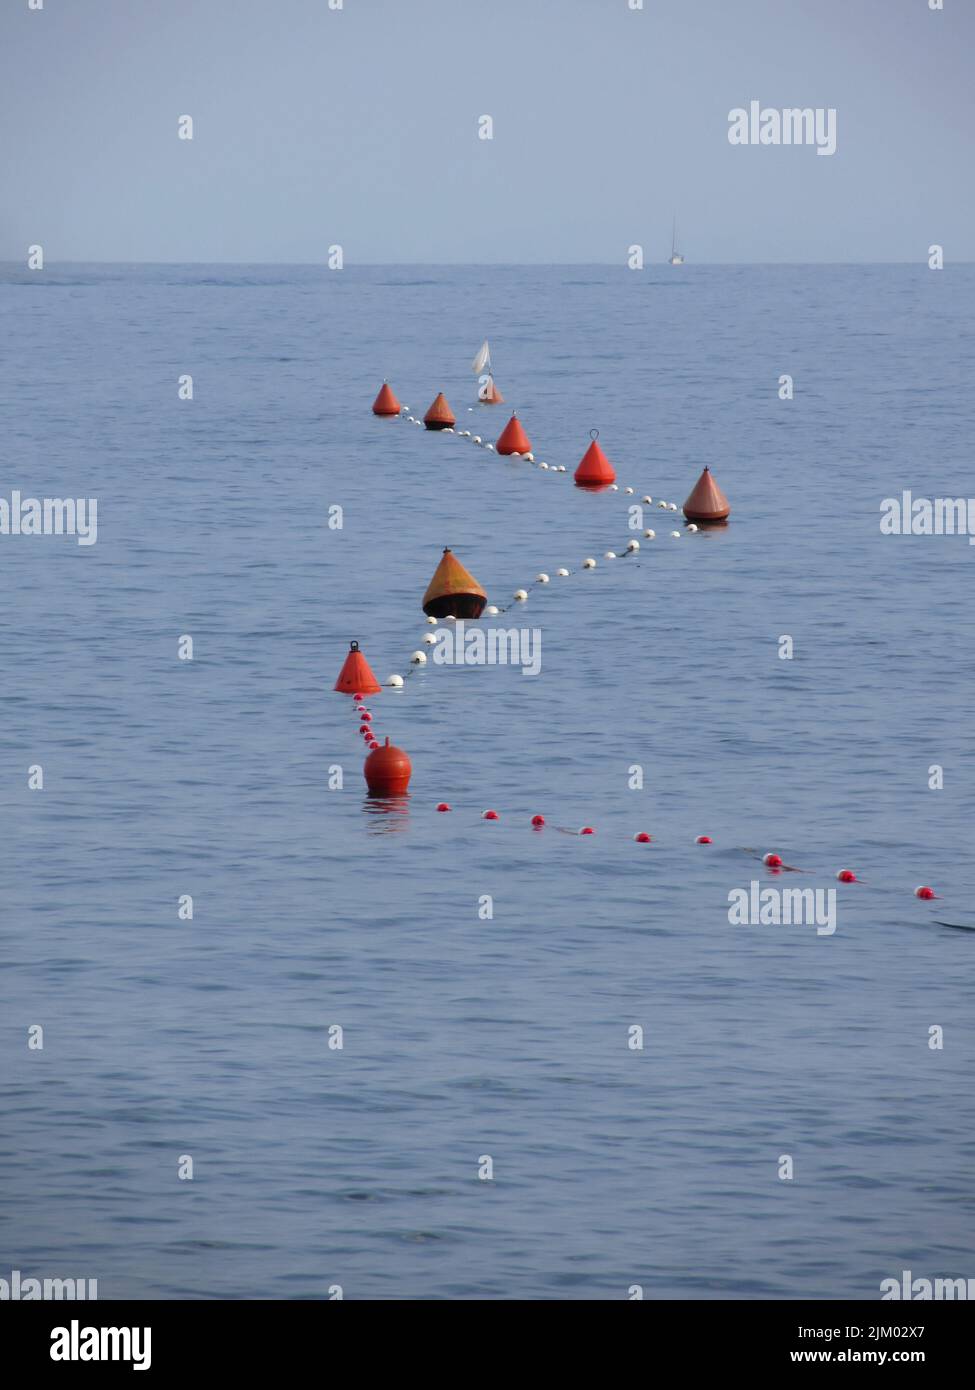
(482, 361)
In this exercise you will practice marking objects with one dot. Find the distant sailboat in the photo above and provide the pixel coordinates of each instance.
(675, 257)
(487, 392)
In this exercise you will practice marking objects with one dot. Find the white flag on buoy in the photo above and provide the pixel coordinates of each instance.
(482, 360)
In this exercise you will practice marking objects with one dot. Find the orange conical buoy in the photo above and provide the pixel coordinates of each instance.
(707, 504)
(387, 771)
(440, 415)
(385, 403)
(595, 470)
(513, 439)
(355, 677)
(453, 591)
(490, 395)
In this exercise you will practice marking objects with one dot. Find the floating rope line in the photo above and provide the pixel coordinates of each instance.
(418, 658)
(557, 469)
(715, 508)
(771, 861)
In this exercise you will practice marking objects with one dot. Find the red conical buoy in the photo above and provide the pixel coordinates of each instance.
(387, 771)
(595, 470)
(453, 591)
(707, 504)
(513, 439)
(440, 415)
(355, 675)
(489, 393)
(385, 403)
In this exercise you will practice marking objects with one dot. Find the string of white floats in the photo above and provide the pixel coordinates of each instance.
(419, 657)
(772, 861)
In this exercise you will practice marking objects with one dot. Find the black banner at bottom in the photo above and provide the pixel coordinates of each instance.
(170, 1338)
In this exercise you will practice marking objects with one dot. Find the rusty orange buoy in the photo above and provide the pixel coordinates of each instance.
(489, 393)
(595, 470)
(385, 403)
(707, 504)
(439, 416)
(355, 676)
(453, 591)
(387, 771)
(513, 439)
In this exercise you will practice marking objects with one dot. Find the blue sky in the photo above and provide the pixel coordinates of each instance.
(358, 126)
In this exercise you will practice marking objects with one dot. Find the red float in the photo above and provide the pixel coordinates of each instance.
(385, 403)
(355, 676)
(513, 439)
(439, 416)
(595, 471)
(387, 771)
(707, 504)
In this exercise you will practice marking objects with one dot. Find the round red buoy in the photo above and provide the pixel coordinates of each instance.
(642, 838)
(440, 415)
(442, 806)
(595, 470)
(925, 892)
(490, 815)
(703, 840)
(365, 731)
(513, 439)
(366, 718)
(707, 504)
(772, 861)
(538, 821)
(846, 876)
(587, 830)
(372, 745)
(358, 697)
(385, 403)
(355, 676)
(387, 771)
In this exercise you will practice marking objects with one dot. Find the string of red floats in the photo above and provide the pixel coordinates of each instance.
(454, 593)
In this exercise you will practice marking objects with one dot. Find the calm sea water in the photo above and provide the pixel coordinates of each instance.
(313, 907)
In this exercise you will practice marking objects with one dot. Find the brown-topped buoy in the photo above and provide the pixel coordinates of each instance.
(513, 439)
(595, 470)
(355, 676)
(453, 592)
(707, 504)
(387, 771)
(385, 403)
(439, 416)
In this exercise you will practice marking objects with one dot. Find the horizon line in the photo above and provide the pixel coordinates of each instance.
(475, 265)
